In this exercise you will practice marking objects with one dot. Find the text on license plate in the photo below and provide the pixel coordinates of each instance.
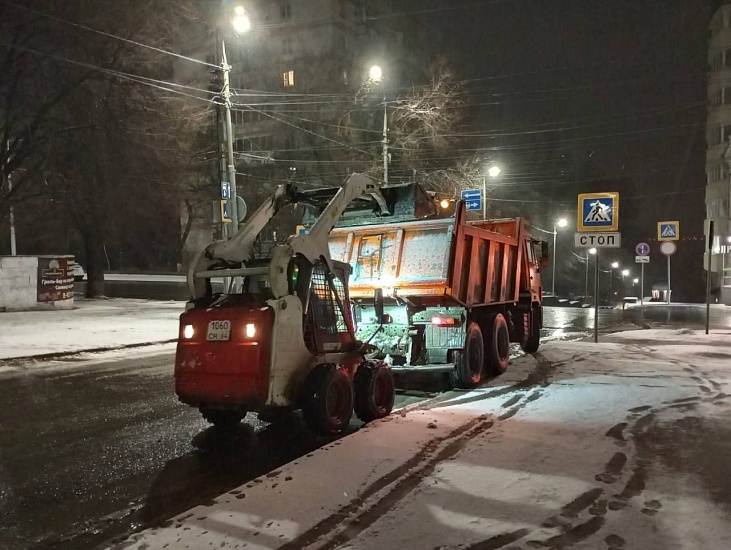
(219, 331)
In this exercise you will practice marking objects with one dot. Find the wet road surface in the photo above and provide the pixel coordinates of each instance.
(94, 450)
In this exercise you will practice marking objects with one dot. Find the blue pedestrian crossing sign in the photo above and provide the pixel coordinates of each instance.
(225, 212)
(598, 212)
(668, 231)
(472, 199)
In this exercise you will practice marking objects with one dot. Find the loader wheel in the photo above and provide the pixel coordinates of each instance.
(497, 349)
(467, 371)
(374, 391)
(532, 332)
(220, 418)
(327, 400)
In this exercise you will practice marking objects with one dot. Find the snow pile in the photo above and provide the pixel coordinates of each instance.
(610, 445)
(93, 324)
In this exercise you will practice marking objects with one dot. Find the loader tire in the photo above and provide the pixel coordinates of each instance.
(221, 418)
(374, 390)
(497, 347)
(469, 362)
(532, 332)
(327, 400)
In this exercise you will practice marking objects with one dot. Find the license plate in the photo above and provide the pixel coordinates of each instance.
(219, 331)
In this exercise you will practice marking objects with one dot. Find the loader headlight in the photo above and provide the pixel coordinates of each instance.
(250, 330)
(188, 332)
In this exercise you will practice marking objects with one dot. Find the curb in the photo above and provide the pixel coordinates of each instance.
(63, 354)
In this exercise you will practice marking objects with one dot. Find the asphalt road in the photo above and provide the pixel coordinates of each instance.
(92, 450)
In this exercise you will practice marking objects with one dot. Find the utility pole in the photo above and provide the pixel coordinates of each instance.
(385, 141)
(231, 167)
(13, 249)
(484, 204)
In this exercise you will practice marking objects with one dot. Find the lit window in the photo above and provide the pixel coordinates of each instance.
(288, 77)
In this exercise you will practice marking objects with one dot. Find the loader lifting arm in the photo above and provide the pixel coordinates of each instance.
(225, 258)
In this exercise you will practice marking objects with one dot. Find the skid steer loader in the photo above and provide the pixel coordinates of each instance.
(281, 336)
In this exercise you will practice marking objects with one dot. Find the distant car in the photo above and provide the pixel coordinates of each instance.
(79, 273)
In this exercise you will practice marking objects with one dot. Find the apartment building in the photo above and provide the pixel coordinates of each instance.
(718, 153)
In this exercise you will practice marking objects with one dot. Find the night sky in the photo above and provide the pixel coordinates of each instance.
(578, 96)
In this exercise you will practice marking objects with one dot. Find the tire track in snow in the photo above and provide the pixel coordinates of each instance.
(362, 512)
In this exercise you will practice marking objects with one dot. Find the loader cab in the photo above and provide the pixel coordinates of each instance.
(323, 291)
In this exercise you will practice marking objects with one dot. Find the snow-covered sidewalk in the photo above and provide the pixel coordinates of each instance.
(622, 444)
(92, 325)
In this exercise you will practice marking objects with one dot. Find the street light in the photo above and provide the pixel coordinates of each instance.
(375, 74)
(493, 172)
(240, 24)
(625, 273)
(614, 265)
(562, 222)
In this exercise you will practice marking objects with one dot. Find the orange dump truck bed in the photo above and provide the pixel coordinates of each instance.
(476, 263)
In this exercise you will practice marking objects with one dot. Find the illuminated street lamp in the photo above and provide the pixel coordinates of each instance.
(559, 223)
(625, 273)
(614, 265)
(240, 21)
(375, 74)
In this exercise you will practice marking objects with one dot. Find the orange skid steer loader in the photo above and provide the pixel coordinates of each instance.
(285, 338)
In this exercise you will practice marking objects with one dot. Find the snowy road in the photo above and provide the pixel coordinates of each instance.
(622, 444)
(96, 445)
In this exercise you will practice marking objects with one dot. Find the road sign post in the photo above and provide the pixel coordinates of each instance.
(642, 283)
(642, 258)
(596, 298)
(708, 275)
(668, 247)
(472, 199)
(597, 224)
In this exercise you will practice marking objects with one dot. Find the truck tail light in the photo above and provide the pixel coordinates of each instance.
(443, 321)
(250, 330)
(188, 332)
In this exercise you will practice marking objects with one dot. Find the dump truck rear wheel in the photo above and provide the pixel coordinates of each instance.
(532, 337)
(374, 391)
(469, 362)
(222, 418)
(327, 401)
(497, 349)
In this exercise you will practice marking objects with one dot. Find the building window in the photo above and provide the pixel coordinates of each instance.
(287, 46)
(717, 209)
(288, 78)
(286, 11)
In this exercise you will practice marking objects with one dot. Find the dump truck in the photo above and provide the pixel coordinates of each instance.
(281, 336)
(457, 292)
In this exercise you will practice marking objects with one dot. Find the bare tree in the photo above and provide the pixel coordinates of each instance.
(121, 149)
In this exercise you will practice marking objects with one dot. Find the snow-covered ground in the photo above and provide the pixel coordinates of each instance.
(93, 324)
(621, 444)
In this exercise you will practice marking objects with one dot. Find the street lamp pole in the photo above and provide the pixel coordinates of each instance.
(231, 166)
(558, 223)
(385, 140)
